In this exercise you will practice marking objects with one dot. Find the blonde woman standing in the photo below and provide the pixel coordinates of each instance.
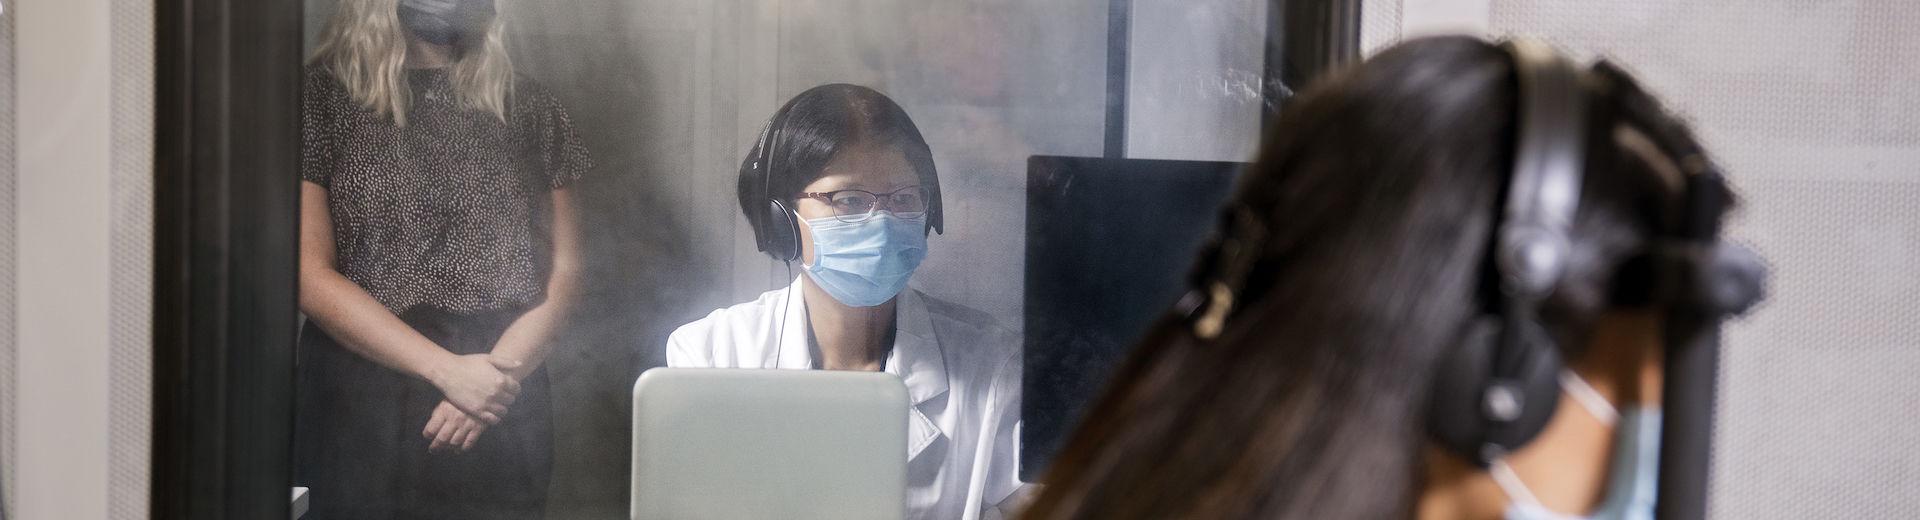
(438, 255)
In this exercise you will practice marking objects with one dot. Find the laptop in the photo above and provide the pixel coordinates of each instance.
(758, 443)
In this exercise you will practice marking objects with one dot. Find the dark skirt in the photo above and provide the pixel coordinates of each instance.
(357, 440)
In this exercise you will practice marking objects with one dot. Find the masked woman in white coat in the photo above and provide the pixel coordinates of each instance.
(842, 186)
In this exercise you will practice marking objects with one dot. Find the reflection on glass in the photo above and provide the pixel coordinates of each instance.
(853, 309)
(438, 257)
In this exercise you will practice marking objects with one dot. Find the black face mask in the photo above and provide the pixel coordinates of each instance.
(445, 22)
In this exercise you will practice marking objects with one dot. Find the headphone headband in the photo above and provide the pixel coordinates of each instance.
(1499, 385)
(1543, 193)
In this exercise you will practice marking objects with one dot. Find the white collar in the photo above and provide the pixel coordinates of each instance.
(916, 357)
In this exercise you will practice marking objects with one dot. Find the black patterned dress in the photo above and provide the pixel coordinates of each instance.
(447, 222)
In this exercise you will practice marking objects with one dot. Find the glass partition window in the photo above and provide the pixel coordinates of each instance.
(510, 210)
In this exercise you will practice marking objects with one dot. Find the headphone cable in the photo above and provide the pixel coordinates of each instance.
(780, 328)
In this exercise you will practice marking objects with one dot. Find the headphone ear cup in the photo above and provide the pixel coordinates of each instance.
(783, 233)
(1536, 377)
(1481, 414)
(1460, 376)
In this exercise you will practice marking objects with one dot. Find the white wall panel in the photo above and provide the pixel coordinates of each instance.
(78, 245)
(61, 206)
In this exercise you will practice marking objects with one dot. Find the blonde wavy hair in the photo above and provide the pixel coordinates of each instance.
(364, 46)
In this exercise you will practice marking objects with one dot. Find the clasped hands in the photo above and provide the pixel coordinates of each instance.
(478, 388)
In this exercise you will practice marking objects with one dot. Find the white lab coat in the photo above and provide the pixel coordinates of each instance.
(962, 372)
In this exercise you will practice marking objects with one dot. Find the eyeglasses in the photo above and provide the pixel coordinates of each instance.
(857, 205)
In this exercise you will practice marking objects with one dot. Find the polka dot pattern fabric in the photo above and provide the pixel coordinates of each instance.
(451, 211)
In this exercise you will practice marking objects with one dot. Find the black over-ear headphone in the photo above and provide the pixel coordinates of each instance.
(1500, 384)
(1498, 387)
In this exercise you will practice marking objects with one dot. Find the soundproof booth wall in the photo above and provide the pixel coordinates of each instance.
(1813, 109)
(668, 95)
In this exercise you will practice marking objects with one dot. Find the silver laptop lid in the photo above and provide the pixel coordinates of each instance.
(756, 443)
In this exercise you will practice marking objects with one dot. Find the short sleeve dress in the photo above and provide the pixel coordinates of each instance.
(447, 222)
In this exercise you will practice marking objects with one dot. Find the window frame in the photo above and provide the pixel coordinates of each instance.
(226, 228)
(226, 232)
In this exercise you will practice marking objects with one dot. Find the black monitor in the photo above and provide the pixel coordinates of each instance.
(1109, 246)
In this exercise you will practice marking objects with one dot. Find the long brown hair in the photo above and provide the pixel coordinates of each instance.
(1377, 194)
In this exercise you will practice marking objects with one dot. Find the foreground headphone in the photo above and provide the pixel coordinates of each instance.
(1498, 386)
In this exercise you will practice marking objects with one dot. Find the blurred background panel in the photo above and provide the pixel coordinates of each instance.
(1814, 110)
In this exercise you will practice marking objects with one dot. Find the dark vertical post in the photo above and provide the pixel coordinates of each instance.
(1686, 442)
(226, 180)
(1305, 38)
(1119, 38)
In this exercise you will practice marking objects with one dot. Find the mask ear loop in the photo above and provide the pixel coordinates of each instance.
(1510, 484)
(1588, 398)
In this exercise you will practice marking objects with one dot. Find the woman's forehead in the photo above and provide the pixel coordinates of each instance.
(868, 167)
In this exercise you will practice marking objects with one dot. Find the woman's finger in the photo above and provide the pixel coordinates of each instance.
(461, 429)
(474, 428)
(433, 424)
(458, 427)
(446, 436)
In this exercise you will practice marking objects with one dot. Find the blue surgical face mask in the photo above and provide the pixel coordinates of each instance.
(866, 263)
(1632, 478)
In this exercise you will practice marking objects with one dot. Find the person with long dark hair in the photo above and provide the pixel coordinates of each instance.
(439, 255)
(1354, 281)
(841, 185)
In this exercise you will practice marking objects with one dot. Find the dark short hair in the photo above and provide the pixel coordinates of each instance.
(806, 133)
